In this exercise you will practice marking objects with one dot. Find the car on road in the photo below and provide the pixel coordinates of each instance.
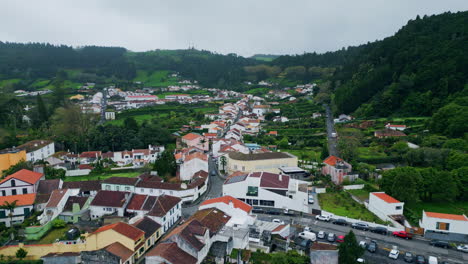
(213, 173)
(394, 253)
(372, 247)
(340, 221)
(360, 226)
(340, 239)
(331, 237)
(463, 248)
(311, 199)
(325, 218)
(289, 212)
(279, 221)
(409, 257)
(379, 230)
(306, 228)
(402, 234)
(432, 260)
(363, 244)
(420, 259)
(308, 235)
(361, 260)
(439, 243)
(321, 234)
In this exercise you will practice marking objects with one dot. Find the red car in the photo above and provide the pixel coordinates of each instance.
(403, 234)
(340, 239)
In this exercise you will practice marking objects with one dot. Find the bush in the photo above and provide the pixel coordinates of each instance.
(58, 223)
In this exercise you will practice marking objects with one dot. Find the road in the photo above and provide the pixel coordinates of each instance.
(418, 246)
(332, 141)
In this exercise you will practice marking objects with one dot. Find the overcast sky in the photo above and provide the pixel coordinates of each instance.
(245, 27)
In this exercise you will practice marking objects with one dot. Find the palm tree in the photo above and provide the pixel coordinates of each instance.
(10, 207)
(223, 162)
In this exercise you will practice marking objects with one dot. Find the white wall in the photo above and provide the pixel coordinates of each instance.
(189, 168)
(6, 188)
(72, 173)
(41, 153)
(455, 226)
(383, 209)
(99, 211)
(18, 215)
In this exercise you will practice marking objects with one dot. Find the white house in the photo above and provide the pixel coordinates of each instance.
(191, 164)
(20, 182)
(119, 184)
(23, 209)
(384, 206)
(240, 212)
(445, 223)
(266, 189)
(56, 204)
(38, 149)
(261, 110)
(395, 127)
(109, 202)
(338, 169)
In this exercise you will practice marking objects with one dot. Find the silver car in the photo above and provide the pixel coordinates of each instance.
(321, 234)
(331, 237)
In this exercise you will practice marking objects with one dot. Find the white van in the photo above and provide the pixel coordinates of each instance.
(308, 235)
(432, 260)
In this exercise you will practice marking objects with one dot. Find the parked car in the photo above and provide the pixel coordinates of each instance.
(463, 248)
(360, 226)
(432, 260)
(363, 244)
(379, 230)
(307, 229)
(372, 247)
(311, 199)
(331, 237)
(279, 221)
(340, 222)
(402, 234)
(409, 257)
(420, 259)
(289, 212)
(213, 173)
(340, 239)
(439, 243)
(321, 234)
(361, 260)
(272, 212)
(258, 210)
(308, 235)
(325, 218)
(394, 253)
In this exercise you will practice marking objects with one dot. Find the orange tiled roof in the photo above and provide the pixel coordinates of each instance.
(191, 136)
(196, 155)
(124, 229)
(21, 199)
(227, 200)
(385, 197)
(24, 175)
(331, 160)
(447, 216)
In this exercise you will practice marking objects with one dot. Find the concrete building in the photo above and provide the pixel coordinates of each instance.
(267, 162)
(10, 157)
(239, 211)
(192, 163)
(449, 227)
(38, 149)
(269, 190)
(20, 182)
(23, 209)
(338, 169)
(323, 253)
(109, 202)
(384, 206)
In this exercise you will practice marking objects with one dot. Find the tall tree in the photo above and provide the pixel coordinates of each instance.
(349, 251)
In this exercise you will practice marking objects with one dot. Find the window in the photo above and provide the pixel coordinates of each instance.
(3, 193)
(127, 188)
(25, 190)
(243, 168)
(151, 190)
(27, 211)
(13, 183)
(108, 187)
(398, 208)
(267, 203)
(13, 192)
(442, 226)
(255, 202)
(252, 191)
(235, 167)
(117, 188)
(164, 219)
(2, 214)
(149, 241)
(142, 190)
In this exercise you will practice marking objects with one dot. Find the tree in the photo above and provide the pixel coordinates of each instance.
(9, 206)
(349, 251)
(324, 154)
(21, 253)
(403, 183)
(348, 147)
(166, 165)
(223, 162)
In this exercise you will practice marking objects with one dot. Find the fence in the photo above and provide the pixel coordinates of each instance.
(36, 232)
(352, 220)
(77, 172)
(320, 190)
(353, 187)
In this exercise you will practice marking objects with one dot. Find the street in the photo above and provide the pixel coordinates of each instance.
(417, 246)
(332, 141)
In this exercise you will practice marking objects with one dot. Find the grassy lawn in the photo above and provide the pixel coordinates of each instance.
(343, 205)
(53, 234)
(156, 78)
(367, 153)
(8, 81)
(306, 154)
(105, 176)
(139, 118)
(360, 194)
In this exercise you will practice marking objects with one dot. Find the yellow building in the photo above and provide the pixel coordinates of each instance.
(134, 241)
(10, 157)
(268, 162)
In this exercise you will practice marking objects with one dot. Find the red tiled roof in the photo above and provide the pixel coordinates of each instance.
(196, 155)
(110, 198)
(164, 204)
(273, 133)
(21, 199)
(273, 180)
(90, 154)
(385, 197)
(172, 253)
(390, 125)
(85, 167)
(25, 175)
(119, 250)
(331, 160)
(137, 202)
(124, 229)
(278, 228)
(447, 216)
(227, 200)
(56, 197)
(191, 136)
(121, 180)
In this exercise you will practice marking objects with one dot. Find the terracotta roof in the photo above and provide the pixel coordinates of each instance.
(273, 180)
(447, 216)
(56, 197)
(172, 253)
(34, 145)
(148, 226)
(273, 133)
(124, 229)
(42, 198)
(121, 180)
(108, 155)
(390, 125)
(85, 167)
(228, 200)
(196, 155)
(84, 186)
(90, 154)
(110, 198)
(211, 218)
(163, 204)
(120, 251)
(331, 160)
(137, 201)
(21, 199)
(190, 136)
(25, 175)
(188, 232)
(81, 201)
(385, 197)
(278, 228)
(47, 186)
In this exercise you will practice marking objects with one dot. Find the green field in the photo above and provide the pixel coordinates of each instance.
(8, 82)
(367, 153)
(155, 79)
(360, 194)
(307, 154)
(129, 173)
(52, 235)
(258, 91)
(340, 203)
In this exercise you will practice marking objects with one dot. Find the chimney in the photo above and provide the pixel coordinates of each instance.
(281, 177)
(231, 204)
